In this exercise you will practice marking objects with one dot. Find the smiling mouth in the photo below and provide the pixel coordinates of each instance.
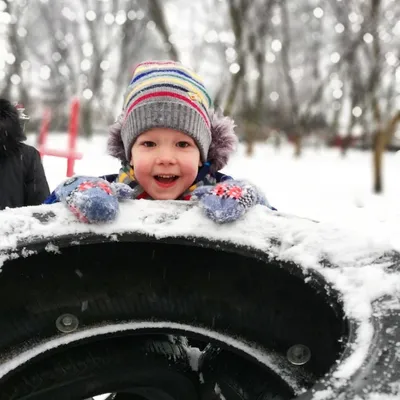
(166, 178)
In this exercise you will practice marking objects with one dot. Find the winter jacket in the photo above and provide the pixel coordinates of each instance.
(22, 178)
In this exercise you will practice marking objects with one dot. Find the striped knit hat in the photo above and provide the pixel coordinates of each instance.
(165, 94)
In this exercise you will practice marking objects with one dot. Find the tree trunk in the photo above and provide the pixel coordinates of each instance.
(373, 83)
(249, 147)
(250, 134)
(290, 84)
(238, 19)
(345, 144)
(234, 89)
(87, 120)
(277, 141)
(156, 11)
(381, 140)
(297, 146)
(379, 148)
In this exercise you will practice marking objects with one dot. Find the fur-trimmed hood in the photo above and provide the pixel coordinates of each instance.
(11, 133)
(223, 140)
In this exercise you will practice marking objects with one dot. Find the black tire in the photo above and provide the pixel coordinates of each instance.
(96, 283)
(224, 372)
(135, 368)
(208, 289)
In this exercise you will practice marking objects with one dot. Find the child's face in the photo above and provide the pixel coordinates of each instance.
(165, 162)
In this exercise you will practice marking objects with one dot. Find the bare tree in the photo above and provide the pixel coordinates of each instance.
(15, 42)
(384, 130)
(238, 10)
(156, 13)
(54, 43)
(83, 43)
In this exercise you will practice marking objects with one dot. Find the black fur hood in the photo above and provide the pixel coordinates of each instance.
(11, 132)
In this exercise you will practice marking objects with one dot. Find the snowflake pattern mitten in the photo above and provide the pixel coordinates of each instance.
(229, 200)
(91, 199)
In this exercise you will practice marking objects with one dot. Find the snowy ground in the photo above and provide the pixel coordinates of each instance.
(321, 185)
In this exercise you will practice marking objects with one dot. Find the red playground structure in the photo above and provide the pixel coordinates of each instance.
(70, 153)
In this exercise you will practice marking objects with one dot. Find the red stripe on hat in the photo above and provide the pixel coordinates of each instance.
(170, 94)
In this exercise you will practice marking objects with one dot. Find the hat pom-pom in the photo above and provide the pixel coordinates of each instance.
(223, 140)
(115, 146)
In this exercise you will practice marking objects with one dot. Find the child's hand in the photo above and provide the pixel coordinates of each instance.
(122, 191)
(227, 201)
(92, 200)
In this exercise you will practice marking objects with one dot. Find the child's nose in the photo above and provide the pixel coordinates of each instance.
(166, 156)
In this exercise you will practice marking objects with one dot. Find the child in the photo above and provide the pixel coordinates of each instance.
(171, 144)
(22, 178)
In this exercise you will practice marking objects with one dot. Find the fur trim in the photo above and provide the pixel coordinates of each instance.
(223, 140)
(115, 146)
(11, 132)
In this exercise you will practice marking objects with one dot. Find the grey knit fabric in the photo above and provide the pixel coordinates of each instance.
(166, 113)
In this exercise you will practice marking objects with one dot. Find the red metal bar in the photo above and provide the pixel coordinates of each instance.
(63, 154)
(72, 135)
(70, 154)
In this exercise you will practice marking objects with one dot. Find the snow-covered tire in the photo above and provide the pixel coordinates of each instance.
(132, 368)
(201, 290)
(239, 298)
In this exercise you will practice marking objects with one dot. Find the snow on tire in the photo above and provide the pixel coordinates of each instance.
(285, 307)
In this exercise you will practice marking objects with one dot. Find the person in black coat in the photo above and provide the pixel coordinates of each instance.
(22, 178)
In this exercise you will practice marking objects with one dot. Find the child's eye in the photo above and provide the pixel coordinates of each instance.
(183, 144)
(148, 143)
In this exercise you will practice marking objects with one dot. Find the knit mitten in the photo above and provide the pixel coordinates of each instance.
(122, 190)
(91, 199)
(229, 200)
